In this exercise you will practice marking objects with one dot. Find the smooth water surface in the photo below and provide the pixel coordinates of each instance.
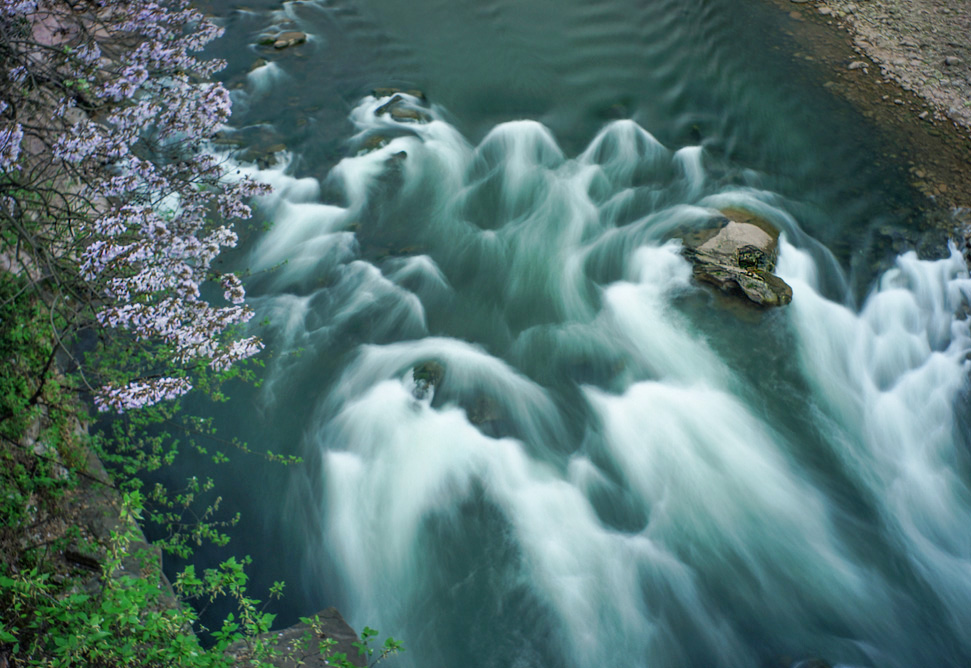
(617, 466)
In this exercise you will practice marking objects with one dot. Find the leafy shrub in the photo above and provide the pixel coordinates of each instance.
(111, 215)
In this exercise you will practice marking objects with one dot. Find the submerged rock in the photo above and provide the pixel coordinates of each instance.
(405, 114)
(399, 112)
(373, 143)
(387, 106)
(484, 409)
(739, 254)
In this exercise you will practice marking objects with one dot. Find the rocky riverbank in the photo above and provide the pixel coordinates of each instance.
(923, 45)
(905, 65)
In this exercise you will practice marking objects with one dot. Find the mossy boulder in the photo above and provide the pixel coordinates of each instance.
(427, 376)
(738, 254)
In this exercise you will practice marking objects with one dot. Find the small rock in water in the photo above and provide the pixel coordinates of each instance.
(740, 255)
(373, 143)
(427, 376)
(856, 65)
(288, 39)
(483, 410)
(404, 114)
(384, 108)
(401, 113)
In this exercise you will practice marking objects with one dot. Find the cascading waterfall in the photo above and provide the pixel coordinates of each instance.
(595, 479)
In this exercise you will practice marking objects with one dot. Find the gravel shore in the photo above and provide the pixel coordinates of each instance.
(924, 45)
(905, 65)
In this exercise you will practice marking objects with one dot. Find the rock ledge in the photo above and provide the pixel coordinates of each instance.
(739, 254)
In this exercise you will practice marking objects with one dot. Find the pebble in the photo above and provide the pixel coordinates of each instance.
(952, 61)
(856, 65)
(293, 38)
(923, 115)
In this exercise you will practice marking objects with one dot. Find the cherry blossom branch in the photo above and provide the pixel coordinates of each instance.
(107, 190)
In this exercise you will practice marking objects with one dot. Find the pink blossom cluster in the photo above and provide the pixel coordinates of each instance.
(18, 8)
(10, 138)
(139, 394)
(147, 246)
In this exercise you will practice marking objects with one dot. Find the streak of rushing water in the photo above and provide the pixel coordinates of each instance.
(617, 467)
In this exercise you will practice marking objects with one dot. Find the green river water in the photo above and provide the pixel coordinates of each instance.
(618, 467)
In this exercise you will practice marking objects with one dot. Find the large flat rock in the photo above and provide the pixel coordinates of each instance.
(739, 257)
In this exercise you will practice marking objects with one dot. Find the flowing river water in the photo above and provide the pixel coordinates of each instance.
(615, 466)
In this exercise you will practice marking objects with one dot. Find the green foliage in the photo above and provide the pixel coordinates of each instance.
(327, 646)
(126, 621)
(70, 596)
(30, 385)
(116, 610)
(55, 614)
(123, 621)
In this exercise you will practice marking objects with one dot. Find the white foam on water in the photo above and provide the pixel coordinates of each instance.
(738, 543)
(407, 462)
(263, 79)
(689, 160)
(656, 335)
(622, 149)
(891, 375)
